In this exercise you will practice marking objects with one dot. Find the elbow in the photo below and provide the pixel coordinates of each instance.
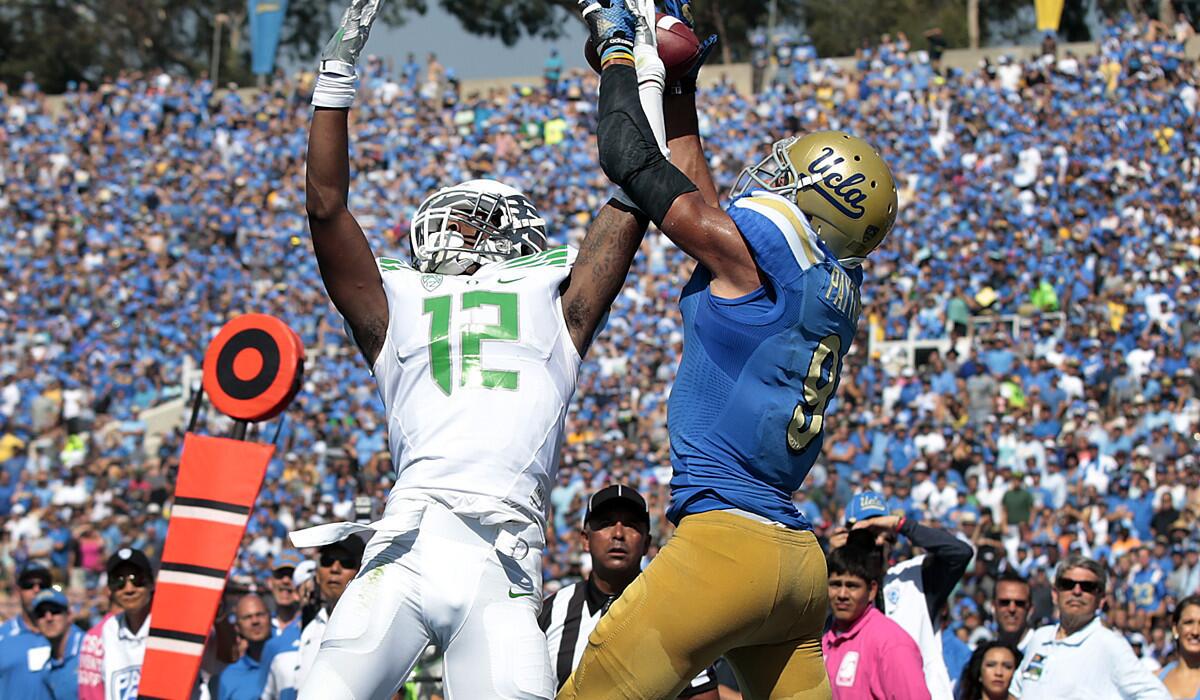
(960, 559)
(322, 202)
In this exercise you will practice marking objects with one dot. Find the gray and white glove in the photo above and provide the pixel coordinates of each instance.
(335, 86)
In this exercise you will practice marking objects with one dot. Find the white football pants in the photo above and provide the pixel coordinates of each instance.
(445, 582)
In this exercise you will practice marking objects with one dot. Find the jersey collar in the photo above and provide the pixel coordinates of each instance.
(1079, 636)
(596, 598)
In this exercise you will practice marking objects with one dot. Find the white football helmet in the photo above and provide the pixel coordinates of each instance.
(508, 226)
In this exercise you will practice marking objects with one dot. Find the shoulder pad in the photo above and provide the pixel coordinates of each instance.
(779, 234)
(393, 265)
(559, 256)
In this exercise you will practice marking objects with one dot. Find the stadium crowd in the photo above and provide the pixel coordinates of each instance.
(1048, 234)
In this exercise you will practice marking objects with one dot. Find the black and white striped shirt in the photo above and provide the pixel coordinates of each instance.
(569, 616)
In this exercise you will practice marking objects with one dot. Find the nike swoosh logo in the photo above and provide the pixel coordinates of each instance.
(515, 279)
(518, 595)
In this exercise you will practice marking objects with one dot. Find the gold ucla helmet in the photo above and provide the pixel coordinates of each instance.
(839, 181)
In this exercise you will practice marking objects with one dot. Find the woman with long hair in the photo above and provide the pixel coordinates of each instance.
(1182, 675)
(988, 673)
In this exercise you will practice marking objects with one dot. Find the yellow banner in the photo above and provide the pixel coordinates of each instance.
(1049, 14)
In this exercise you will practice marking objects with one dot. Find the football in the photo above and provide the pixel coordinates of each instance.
(678, 47)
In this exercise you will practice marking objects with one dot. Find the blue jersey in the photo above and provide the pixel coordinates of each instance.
(1148, 588)
(748, 405)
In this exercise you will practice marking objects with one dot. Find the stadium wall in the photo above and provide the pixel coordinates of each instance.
(741, 74)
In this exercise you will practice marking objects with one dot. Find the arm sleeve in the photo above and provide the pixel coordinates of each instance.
(1133, 680)
(91, 664)
(1014, 686)
(903, 671)
(945, 562)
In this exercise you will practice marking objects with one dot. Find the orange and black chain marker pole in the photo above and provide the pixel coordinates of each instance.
(252, 370)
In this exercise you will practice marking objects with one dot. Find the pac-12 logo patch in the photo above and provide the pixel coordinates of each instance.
(431, 282)
(125, 683)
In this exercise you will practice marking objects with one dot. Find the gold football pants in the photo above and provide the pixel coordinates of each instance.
(724, 585)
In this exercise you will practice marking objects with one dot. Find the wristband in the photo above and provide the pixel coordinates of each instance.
(334, 90)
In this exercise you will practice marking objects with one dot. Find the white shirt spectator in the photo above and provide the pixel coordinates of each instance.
(10, 398)
(1139, 361)
(1056, 484)
(924, 487)
(1094, 663)
(942, 500)
(930, 443)
(1071, 385)
(1010, 76)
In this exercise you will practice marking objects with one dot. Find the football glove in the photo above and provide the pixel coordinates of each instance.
(335, 87)
(612, 27)
(682, 10)
(342, 51)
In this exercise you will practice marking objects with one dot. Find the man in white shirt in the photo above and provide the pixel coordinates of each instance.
(337, 565)
(110, 659)
(1079, 657)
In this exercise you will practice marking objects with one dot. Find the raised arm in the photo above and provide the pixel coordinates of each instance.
(631, 158)
(683, 127)
(344, 256)
(600, 269)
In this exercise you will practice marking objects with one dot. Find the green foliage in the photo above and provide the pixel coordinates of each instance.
(61, 40)
(840, 28)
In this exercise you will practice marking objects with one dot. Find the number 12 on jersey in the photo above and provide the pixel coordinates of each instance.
(471, 337)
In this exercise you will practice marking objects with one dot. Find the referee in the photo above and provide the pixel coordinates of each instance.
(616, 533)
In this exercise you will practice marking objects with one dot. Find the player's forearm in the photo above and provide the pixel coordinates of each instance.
(600, 270)
(629, 155)
(683, 140)
(327, 182)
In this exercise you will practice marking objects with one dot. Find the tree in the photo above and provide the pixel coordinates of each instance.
(64, 40)
(840, 28)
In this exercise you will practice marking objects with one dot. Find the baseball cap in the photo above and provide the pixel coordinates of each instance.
(35, 567)
(286, 559)
(304, 571)
(128, 555)
(616, 493)
(352, 545)
(50, 596)
(868, 504)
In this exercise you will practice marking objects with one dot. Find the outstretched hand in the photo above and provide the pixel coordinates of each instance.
(344, 47)
(612, 27)
(682, 10)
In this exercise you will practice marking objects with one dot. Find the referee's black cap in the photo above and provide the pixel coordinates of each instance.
(617, 493)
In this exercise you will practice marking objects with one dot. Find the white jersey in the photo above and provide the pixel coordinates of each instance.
(476, 374)
(904, 602)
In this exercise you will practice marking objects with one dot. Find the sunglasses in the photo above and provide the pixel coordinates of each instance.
(48, 610)
(28, 584)
(1069, 584)
(1012, 602)
(137, 578)
(346, 561)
